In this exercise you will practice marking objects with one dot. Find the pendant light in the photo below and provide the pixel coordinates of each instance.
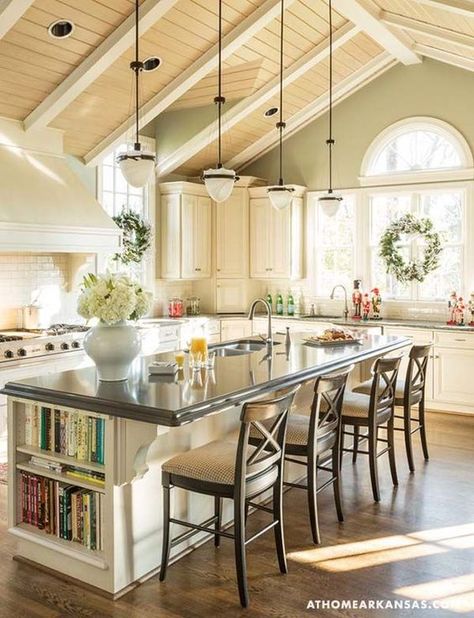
(331, 201)
(280, 194)
(136, 165)
(219, 181)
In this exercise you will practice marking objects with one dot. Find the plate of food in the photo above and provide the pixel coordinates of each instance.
(333, 337)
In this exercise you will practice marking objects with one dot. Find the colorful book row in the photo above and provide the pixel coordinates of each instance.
(68, 433)
(66, 511)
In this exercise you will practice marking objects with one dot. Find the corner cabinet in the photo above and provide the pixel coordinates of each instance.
(276, 236)
(186, 228)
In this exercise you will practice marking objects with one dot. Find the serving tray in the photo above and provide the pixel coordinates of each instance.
(336, 342)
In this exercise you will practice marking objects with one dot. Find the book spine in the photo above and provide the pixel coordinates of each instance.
(29, 424)
(71, 434)
(94, 439)
(35, 427)
(57, 431)
(93, 516)
(49, 430)
(101, 441)
(89, 438)
(62, 433)
(68, 506)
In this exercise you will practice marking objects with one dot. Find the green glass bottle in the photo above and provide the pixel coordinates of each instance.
(279, 303)
(290, 305)
(270, 301)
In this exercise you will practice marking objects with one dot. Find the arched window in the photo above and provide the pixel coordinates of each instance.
(415, 148)
(402, 170)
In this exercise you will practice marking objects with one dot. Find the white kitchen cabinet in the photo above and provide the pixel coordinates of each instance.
(453, 376)
(232, 296)
(235, 329)
(232, 236)
(453, 369)
(276, 237)
(186, 231)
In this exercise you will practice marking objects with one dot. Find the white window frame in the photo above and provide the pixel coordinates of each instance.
(362, 256)
(149, 145)
(464, 172)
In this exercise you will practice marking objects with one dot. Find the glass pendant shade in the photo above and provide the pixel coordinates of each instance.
(219, 183)
(136, 166)
(280, 196)
(330, 204)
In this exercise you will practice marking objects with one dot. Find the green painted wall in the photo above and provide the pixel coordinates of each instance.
(429, 89)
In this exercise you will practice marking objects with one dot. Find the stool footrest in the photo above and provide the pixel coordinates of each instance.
(260, 507)
(262, 531)
(195, 528)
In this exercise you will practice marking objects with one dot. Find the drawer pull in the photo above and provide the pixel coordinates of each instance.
(459, 340)
(197, 270)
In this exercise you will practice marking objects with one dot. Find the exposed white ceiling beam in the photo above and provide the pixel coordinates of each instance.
(460, 7)
(431, 30)
(10, 13)
(231, 42)
(366, 14)
(444, 56)
(96, 63)
(313, 110)
(249, 104)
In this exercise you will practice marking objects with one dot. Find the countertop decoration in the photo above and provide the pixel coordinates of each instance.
(136, 237)
(114, 343)
(413, 270)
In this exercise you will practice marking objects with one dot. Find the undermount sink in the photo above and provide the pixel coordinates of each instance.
(243, 346)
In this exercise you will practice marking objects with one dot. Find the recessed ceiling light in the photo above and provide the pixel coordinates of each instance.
(271, 112)
(151, 64)
(61, 29)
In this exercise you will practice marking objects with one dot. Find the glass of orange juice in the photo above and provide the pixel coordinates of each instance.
(198, 345)
(179, 358)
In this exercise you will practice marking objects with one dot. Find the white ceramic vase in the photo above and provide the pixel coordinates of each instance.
(113, 348)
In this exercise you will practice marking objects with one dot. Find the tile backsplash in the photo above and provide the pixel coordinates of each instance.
(40, 278)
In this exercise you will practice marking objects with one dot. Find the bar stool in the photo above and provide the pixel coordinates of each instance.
(314, 436)
(373, 412)
(410, 392)
(238, 471)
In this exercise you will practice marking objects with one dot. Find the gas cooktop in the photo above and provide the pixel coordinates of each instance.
(16, 344)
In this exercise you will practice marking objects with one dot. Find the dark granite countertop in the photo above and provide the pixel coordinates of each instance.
(191, 395)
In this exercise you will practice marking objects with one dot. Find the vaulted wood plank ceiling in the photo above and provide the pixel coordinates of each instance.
(95, 112)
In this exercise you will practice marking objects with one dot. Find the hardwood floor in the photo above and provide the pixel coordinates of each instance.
(417, 543)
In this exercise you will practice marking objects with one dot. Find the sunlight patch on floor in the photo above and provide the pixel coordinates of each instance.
(455, 593)
(366, 554)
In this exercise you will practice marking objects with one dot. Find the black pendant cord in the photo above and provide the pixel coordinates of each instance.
(137, 66)
(281, 125)
(330, 141)
(220, 100)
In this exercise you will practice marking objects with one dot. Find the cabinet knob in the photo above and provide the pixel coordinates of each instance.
(197, 269)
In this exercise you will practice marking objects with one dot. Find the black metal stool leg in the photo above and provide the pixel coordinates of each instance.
(408, 438)
(391, 450)
(424, 442)
(373, 463)
(356, 444)
(165, 552)
(312, 499)
(218, 515)
(336, 470)
(239, 544)
(278, 529)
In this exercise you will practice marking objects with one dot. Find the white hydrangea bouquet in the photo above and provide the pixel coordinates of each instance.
(113, 298)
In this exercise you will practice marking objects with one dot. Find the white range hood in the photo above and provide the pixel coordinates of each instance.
(44, 206)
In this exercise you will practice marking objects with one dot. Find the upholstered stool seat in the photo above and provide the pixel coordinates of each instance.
(297, 433)
(356, 406)
(214, 462)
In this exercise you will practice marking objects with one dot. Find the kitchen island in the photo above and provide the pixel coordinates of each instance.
(125, 431)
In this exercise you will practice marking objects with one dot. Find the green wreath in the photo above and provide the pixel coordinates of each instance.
(414, 270)
(136, 239)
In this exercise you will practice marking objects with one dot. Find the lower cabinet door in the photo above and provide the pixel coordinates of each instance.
(453, 376)
(235, 329)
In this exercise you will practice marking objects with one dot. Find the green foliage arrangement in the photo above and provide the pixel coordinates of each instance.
(136, 237)
(413, 270)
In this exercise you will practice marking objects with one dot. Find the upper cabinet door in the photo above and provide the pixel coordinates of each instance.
(232, 231)
(276, 240)
(171, 236)
(260, 237)
(195, 237)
